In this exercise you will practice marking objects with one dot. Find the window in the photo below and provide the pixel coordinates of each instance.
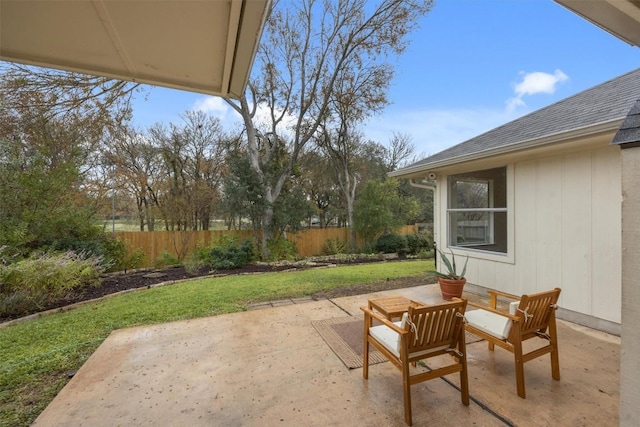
(477, 210)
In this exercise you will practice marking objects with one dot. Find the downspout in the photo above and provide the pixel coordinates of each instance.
(425, 184)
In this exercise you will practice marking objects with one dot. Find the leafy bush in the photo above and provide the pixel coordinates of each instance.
(30, 284)
(380, 207)
(334, 247)
(423, 254)
(135, 259)
(391, 243)
(232, 255)
(419, 242)
(367, 248)
(110, 249)
(281, 248)
(165, 259)
(114, 251)
(193, 264)
(197, 260)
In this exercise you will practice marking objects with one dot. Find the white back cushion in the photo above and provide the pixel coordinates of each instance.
(513, 307)
(491, 323)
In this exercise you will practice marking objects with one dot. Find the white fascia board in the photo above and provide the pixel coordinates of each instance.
(610, 125)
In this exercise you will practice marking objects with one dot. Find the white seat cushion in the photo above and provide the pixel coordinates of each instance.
(386, 336)
(491, 323)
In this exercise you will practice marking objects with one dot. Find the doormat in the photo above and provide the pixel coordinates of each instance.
(344, 335)
(470, 338)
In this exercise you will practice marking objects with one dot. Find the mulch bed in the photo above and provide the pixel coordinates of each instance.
(146, 278)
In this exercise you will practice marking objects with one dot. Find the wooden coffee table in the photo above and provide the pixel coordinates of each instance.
(393, 306)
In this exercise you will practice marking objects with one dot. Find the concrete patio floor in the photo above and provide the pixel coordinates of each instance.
(270, 367)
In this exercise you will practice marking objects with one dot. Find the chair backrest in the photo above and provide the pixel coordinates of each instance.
(435, 326)
(536, 310)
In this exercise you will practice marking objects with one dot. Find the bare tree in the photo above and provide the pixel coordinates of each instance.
(400, 150)
(204, 154)
(342, 149)
(134, 165)
(306, 50)
(193, 156)
(98, 102)
(319, 183)
(358, 94)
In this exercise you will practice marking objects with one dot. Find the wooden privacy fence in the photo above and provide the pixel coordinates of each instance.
(180, 244)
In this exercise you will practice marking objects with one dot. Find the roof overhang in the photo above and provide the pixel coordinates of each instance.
(205, 46)
(619, 17)
(599, 134)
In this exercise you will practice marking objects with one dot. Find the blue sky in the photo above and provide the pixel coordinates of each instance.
(473, 65)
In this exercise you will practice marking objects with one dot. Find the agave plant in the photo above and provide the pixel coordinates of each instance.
(452, 271)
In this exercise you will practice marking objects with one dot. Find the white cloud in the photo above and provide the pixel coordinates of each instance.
(534, 83)
(513, 103)
(213, 105)
(539, 82)
(433, 130)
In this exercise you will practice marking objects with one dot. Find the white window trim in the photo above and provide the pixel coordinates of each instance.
(509, 256)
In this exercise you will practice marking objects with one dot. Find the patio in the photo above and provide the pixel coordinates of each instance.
(270, 367)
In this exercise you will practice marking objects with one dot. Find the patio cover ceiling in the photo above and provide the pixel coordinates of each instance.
(619, 17)
(205, 46)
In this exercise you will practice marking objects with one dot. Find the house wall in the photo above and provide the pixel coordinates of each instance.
(630, 348)
(565, 213)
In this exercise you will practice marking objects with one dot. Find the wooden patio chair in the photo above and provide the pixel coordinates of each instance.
(423, 332)
(529, 316)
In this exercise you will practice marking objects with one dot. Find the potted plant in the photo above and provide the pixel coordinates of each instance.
(451, 283)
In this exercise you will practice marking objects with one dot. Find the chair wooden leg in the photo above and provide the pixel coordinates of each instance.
(365, 358)
(464, 387)
(517, 353)
(406, 391)
(555, 364)
(555, 357)
(464, 382)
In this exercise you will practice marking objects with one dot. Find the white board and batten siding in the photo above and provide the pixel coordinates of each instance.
(565, 231)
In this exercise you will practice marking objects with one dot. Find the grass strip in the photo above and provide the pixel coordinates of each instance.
(38, 357)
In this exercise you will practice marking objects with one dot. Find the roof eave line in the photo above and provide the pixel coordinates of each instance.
(505, 149)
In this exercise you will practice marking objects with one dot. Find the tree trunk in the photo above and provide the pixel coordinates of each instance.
(352, 229)
(267, 232)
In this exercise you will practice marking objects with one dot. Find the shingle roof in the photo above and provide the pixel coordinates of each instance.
(608, 101)
(629, 131)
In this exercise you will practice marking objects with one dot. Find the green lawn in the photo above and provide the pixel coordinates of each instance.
(37, 357)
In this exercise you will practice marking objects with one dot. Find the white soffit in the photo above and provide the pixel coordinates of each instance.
(205, 46)
(619, 17)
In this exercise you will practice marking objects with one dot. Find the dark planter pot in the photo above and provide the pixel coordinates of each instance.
(451, 288)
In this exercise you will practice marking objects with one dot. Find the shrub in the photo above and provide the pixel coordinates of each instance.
(30, 284)
(418, 242)
(367, 248)
(114, 251)
(334, 247)
(165, 259)
(111, 250)
(135, 259)
(193, 264)
(231, 255)
(391, 243)
(197, 260)
(424, 254)
(281, 248)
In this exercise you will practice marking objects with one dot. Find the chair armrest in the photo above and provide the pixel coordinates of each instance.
(493, 310)
(503, 294)
(383, 320)
(417, 303)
